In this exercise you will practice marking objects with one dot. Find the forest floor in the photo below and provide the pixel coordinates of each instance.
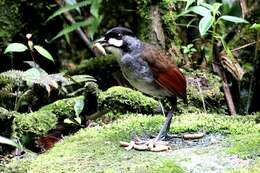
(231, 144)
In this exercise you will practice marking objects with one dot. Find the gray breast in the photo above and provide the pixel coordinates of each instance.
(139, 75)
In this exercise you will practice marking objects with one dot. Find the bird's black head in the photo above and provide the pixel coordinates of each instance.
(117, 33)
(117, 39)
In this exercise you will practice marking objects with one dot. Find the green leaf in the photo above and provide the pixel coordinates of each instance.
(200, 10)
(233, 19)
(43, 52)
(208, 6)
(78, 120)
(15, 47)
(33, 73)
(215, 8)
(204, 24)
(4, 140)
(188, 4)
(69, 7)
(255, 26)
(94, 8)
(78, 107)
(73, 2)
(67, 29)
(68, 121)
(94, 26)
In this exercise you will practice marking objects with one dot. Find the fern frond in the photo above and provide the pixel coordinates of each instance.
(69, 7)
(69, 28)
(7, 92)
(12, 73)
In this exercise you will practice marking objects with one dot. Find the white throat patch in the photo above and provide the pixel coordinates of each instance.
(115, 42)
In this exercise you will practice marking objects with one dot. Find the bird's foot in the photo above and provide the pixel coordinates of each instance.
(154, 145)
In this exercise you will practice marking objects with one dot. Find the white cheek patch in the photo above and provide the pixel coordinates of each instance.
(115, 42)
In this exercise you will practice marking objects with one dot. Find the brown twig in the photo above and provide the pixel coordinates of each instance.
(227, 92)
(244, 46)
(243, 7)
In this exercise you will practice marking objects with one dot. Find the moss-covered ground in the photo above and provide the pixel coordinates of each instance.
(97, 149)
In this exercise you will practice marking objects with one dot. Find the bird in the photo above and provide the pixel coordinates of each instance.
(147, 68)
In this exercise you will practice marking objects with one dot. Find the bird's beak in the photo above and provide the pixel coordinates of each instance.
(101, 40)
(98, 46)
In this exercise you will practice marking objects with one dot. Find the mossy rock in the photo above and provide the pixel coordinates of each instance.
(122, 99)
(96, 149)
(63, 108)
(204, 87)
(38, 123)
(103, 69)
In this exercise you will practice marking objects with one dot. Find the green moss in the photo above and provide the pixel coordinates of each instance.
(38, 123)
(102, 68)
(62, 108)
(170, 11)
(97, 150)
(247, 146)
(125, 99)
(10, 20)
(203, 86)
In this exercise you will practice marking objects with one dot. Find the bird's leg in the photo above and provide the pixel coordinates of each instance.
(166, 125)
(165, 128)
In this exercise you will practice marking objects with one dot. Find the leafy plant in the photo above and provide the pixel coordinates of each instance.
(4, 140)
(189, 50)
(211, 16)
(91, 23)
(20, 47)
(78, 108)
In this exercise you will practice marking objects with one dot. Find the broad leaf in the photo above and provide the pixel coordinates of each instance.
(233, 19)
(205, 24)
(15, 47)
(78, 107)
(43, 52)
(68, 121)
(78, 120)
(4, 140)
(200, 10)
(255, 26)
(208, 6)
(33, 74)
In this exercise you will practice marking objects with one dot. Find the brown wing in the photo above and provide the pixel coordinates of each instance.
(166, 74)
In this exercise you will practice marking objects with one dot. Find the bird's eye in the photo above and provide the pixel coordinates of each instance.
(119, 35)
